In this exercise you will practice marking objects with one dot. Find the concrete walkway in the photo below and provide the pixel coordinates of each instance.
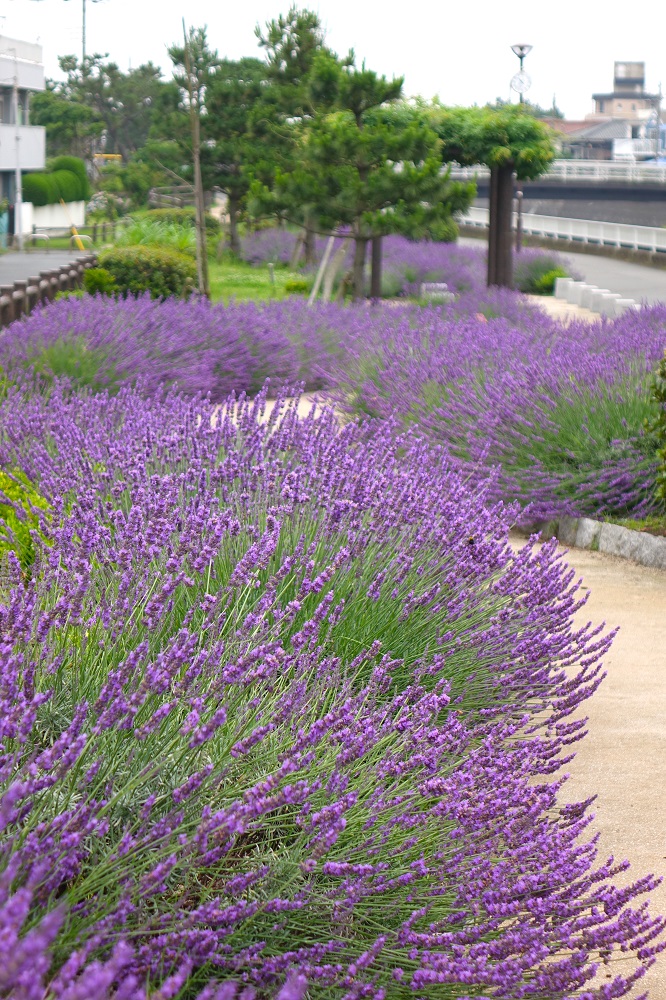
(21, 266)
(623, 758)
(633, 281)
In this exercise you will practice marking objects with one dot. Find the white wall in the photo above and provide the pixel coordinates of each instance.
(52, 216)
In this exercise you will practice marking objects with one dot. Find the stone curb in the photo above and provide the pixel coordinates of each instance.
(602, 536)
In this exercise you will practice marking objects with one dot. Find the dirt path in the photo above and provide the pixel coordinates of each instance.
(623, 758)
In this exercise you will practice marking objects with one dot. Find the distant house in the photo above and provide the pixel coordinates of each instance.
(623, 124)
(21, 144)
(628, 99)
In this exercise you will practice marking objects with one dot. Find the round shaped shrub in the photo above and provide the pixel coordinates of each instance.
(296, 286)
(75, 166)
(40, 189)
(99, 280)
(158, 270)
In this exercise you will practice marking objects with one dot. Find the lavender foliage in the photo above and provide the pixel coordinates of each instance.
(279, 705)
(559, 412)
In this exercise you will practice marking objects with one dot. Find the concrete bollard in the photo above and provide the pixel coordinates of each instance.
(572, 292)
(586, 296)
(597, 296)
(561, 285)
(607, 305)
(579, 289)
(623, 305)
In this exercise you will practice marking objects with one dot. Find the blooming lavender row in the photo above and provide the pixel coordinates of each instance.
(557, 412)
(279, 705)
(408, 263)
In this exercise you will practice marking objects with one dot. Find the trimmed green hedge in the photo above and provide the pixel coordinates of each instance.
(159, 270)
(75, 166)
(184, 217)
(66, 180)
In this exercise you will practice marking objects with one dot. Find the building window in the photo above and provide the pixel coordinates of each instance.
(633, 107)
(601, 105)
(619, 105)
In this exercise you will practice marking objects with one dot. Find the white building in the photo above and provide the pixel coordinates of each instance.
(21, 144)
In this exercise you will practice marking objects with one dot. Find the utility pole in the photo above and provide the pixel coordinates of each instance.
(195, 126)
(18, 180)
(83, 29)
(657, 124)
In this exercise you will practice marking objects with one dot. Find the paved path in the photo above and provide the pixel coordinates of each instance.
(21, 266)
(623, 758)
(633, 281)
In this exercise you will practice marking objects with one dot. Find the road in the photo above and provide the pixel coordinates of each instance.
(21, 266)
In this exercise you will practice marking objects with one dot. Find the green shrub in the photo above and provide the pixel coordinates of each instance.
(47, 188)
(97, 280)
(40, 189)
(545, 285)
(15, 527)
(533, 269)
(184, 217)
(159, 270)
(69, 185)
(75, 166)
(295, 285)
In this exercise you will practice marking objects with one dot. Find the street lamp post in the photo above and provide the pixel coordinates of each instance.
(521, 82)
(83, 29)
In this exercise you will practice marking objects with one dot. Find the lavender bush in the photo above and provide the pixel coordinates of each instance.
(279, 705)
(408, 263)
(558, 411)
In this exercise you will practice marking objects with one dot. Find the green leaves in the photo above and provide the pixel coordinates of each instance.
(495, 137)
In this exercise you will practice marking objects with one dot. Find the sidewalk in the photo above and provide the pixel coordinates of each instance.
(622, 760)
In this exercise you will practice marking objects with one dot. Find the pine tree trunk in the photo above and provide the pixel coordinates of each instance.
(310, 245)
(376, 272)
(234, 238)
(500, 257)
(358, 273)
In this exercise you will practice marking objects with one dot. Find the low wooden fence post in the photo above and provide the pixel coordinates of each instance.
(6, 304)
(20, 299)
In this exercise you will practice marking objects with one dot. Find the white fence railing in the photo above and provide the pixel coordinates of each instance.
(585, 170)
(613, 234)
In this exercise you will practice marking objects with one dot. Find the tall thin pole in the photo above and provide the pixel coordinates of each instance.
(83, 32)
(195, 125)
(18, 180)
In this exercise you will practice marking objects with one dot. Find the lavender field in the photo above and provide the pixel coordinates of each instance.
(282, 714)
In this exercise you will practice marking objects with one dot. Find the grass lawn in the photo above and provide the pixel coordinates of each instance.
(233, 279)
(655, 524)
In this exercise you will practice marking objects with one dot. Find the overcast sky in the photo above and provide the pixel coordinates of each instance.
(460, 51)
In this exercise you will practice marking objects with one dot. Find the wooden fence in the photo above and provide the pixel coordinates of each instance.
(22, 297)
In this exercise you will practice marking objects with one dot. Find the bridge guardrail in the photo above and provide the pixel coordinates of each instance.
(612, 234)
(584, 170)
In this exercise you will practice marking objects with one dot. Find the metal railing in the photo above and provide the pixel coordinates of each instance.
(22, 297)
(584, 170)
(611, 234)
